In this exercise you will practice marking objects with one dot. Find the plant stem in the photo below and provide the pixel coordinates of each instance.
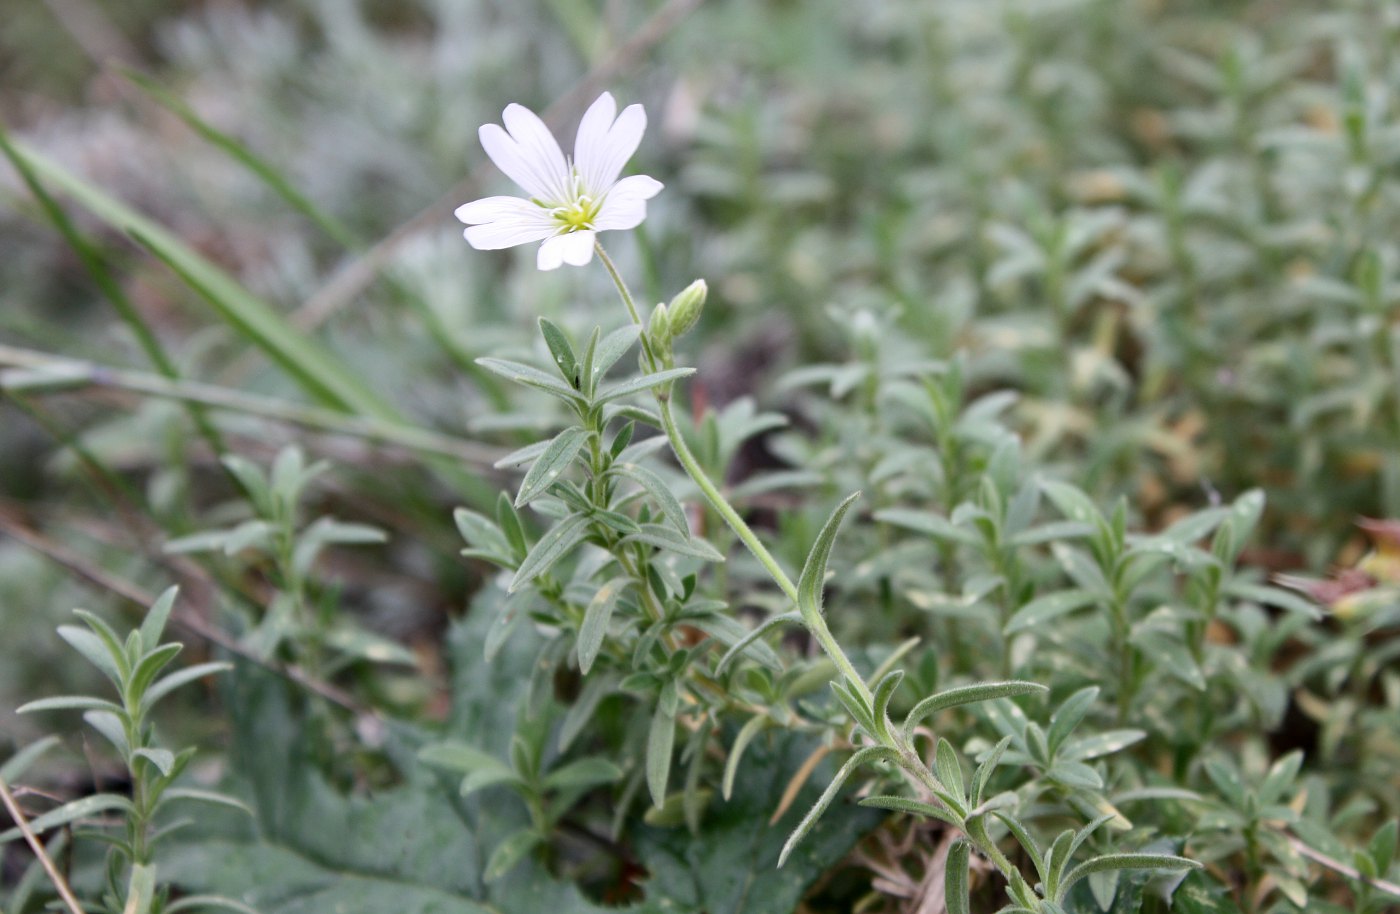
(35, 845)
(815, 622)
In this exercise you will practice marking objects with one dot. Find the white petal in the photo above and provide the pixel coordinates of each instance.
(496, 235)
(625, 206)
(528, 154)
(492, 209)
(603, 146)
(503, 222)
(575, 248)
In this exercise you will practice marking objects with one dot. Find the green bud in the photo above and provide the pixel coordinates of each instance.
(686, 307)
(659, 326)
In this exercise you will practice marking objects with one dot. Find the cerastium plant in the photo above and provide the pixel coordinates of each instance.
(591, 487)
(134, 666)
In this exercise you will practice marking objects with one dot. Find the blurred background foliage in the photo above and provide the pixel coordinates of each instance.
(1162, 234)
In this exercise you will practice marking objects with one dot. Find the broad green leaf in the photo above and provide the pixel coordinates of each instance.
(557, 458)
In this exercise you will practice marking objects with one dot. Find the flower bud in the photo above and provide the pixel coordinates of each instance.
(686, 307)
(659, 326)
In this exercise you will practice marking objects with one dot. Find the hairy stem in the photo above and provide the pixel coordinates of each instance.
(815, 623)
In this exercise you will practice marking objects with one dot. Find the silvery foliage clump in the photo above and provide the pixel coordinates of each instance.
(1091, 302)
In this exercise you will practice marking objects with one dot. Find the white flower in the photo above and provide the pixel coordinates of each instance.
(570, 201)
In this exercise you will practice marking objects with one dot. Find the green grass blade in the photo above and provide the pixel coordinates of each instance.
(305, 360)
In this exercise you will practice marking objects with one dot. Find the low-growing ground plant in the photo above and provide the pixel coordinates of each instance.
(1022, 539)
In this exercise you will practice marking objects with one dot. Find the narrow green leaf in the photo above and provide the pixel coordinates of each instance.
(558, 542)
(912, 807)
(968, 694)
(738, 647)
(69, 703)
(17, 764)
(113, 728)
(860, 757)
(595, 621)
(955, 887)
(637, 385)
(163, 687)
(194, 795)
(239, 152)
(1023, 837)
(660, 739)
(154, 625)
(611, 348)
(97, 651)
(884, 690)
(855, 705)
(530, 377)
(555, 460)
(664, 537)
(984, 771)
(1068, 716)
(945, 762)
(1123, 862)
(561, 350)
(752, 727)
(148, 669)
(510, 852)
(1051, 606)
(813, 579)
(934, 525)
(661, 493)
(163, 759)
(316, 370)
(583, 773)
(84, 808)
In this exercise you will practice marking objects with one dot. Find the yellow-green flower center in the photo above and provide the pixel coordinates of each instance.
(578, 215)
